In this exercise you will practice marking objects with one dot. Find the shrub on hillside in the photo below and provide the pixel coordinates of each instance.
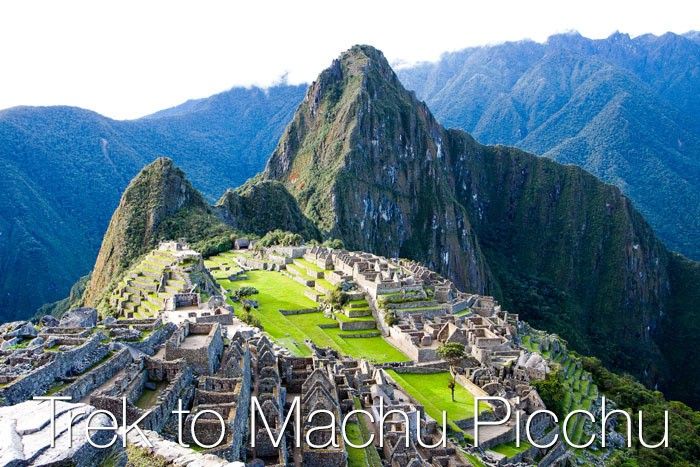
(280, 237)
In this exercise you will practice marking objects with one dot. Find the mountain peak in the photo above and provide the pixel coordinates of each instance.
(159, 191)
(355, 113)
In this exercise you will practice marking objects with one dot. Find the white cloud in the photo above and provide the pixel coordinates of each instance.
(128, 58)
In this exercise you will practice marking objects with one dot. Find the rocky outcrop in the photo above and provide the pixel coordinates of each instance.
(79, 318)
(174, 454)
(26, 435)
(261, 207)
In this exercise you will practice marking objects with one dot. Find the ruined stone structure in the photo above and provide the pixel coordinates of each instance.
(165, 380)
(198, 353)
(200, 345)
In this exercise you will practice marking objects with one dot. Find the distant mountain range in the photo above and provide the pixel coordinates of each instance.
(64, 170)
(622, 108)
(627, 110)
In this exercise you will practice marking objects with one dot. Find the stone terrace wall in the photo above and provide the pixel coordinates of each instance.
(154, 340)
(181, 375)
(418, 354)
(88, 382)
(43, 378)
(325, 458)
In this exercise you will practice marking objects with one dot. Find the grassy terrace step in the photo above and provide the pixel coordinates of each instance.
(308, 264)
(432, 391)
(345, 319)
(299, 269)
(359, 433)
(580, 391)
(357, 312)
(510, 449)
(277, 291)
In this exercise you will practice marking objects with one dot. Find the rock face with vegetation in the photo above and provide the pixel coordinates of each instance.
(160, 203)
(364, 160)
(625, 109)
(368, 163)
(261, 207)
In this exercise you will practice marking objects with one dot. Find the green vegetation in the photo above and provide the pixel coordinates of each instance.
(262, 206)
(141, 457)
(567, 388)
(632, 396)
(149, 396)
(358, 433)
(334, 243)
(553, 392)
(622, 140)
(279, 292)
(452, 352)
(510, 449)
(432, 391)
(245, 292)
(279, 237)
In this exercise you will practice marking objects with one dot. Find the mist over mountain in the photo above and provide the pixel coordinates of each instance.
(624, 109)
(64, 170)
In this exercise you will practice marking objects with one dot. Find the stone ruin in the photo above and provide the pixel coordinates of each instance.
(206, 364)
(200, 345)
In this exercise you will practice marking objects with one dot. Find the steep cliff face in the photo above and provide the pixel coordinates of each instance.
(568, 252)
(258, 208)
(369, 164)
(157, 193)
(364, 160)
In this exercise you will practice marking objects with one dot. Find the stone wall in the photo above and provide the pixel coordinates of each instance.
(204, 359)
(223, 319)
(358, 325)
(404, 343)
(299, 312)
(154, 340)
(39, 381)
(90, 381)
(325, 458)
(181, 375)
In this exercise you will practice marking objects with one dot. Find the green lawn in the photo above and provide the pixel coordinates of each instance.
(358, 433)
(308, 264)
(510, 449)
(432, 392)
(277, 291)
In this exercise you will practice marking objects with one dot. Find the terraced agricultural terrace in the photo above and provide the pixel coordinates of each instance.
(279, 291)
(581, 393)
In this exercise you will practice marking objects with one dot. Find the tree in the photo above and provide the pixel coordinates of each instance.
(452, 352)
(552, 391)
(338, 299)
(335, 243)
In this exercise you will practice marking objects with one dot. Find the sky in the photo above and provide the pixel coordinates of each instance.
(126, 59)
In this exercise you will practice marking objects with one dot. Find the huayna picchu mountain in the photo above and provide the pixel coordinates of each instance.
(369, 164)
